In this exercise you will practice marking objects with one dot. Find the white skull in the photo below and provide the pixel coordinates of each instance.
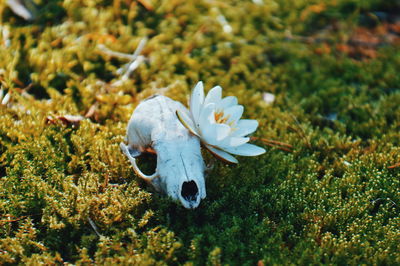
(180, 166)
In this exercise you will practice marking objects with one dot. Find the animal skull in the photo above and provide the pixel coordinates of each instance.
(180, 166)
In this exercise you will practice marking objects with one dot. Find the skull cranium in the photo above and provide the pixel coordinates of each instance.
(180, 166)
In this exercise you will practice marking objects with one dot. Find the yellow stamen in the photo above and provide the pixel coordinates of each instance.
(222, 118)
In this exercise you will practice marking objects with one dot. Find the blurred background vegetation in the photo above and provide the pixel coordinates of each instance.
(68, 195)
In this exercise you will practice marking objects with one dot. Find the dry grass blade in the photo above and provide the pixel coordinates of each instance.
(276, 144)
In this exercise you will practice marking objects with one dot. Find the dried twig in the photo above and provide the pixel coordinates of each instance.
(278, 147)
(276, 144)
(135, 60)
(112, 53)
(394, 166)
(132, 67)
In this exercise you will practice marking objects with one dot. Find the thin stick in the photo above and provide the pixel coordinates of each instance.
(112, 53)
(131, 57)
(278, 147)
(275, 144)
(132, 67)
(394, 166)
(140, 47)
(136, 60)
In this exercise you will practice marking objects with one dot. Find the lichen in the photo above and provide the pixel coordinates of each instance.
(68, 195)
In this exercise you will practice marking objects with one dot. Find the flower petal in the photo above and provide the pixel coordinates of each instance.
(187, 122)
(214, 133)
(233, 142)
(246, 150)
(227, 102)
(222, 131)
(226, 157)
(196, 100)
(245, 127)
(206, 116)
(214, 95)
(234, 113)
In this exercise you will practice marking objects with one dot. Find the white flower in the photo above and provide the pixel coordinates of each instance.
(217, 123)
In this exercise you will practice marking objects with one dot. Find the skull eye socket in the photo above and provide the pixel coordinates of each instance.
(189, 190)
(147, 162)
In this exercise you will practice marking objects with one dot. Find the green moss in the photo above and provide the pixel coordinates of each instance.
(68, 195)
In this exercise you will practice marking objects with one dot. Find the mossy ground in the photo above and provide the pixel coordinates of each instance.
(333, 67)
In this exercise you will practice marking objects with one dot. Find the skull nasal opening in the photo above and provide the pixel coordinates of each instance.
(189, 190)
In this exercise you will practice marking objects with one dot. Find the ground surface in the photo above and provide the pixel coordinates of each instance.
(333, 67)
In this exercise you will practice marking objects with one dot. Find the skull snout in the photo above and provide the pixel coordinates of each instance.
(190, 196)
(189, 190)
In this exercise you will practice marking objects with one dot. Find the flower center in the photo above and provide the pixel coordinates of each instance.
(220, 117)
